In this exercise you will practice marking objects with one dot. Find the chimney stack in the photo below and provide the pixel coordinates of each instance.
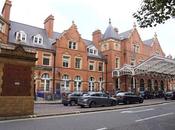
(96, 37)
(48, 25)
(6, 10)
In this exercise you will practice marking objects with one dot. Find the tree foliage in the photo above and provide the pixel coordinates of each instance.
(153, 12)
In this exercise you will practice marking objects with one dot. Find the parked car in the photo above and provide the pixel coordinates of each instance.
(147, 94)
(159, 94)
(169, 95)
(71, 98)
(128, 97)
(93, 99)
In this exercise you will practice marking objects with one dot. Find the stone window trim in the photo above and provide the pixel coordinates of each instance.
(91, 65)
(101, 68)
(117, 46)
(72, 45)
(80, 64)
(117, 62)
(21, 36)
(66, 61)
(46, 57)
(133, 62)
(38, 39)
(135, 48)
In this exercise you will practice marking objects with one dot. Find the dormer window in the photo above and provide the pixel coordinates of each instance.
(135, 48)
(72, 45)
(38, 39)
(21, 36)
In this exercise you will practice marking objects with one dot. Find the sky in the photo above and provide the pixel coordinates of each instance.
(90, 15)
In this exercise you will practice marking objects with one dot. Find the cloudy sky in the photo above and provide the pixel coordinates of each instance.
(90, 15)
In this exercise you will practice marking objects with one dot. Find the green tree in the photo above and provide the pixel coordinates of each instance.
(153, 12)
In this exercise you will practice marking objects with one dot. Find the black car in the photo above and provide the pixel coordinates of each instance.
(93, 99)
(169, 95)
(147, 94)
(71, 98)
(128, 97)
(159, 94)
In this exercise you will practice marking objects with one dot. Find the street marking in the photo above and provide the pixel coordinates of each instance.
(102, 128)
(151, 109)
(152, 117)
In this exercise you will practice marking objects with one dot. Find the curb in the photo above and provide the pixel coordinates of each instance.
(79, 112)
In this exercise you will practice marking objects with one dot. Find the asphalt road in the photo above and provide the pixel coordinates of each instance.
(156, 117)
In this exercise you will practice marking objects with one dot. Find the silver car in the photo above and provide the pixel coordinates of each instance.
(93, 99)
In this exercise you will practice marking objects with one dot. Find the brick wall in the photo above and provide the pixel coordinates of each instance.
(16, 105)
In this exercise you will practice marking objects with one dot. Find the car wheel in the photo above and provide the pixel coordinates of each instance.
(141, 101)
(165, 98)
(82, 106)
(92, 104)
(72, 103)
(113, 103)
(65, 104)
(127, 102)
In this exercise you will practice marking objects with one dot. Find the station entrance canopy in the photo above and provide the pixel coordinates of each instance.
(155, 65)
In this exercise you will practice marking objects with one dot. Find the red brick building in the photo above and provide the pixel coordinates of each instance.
(67, 62)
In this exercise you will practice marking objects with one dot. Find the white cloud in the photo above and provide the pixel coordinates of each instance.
(89, 15)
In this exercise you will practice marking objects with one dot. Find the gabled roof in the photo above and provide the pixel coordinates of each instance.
(125, 35)
(30, 32)
(149, 42)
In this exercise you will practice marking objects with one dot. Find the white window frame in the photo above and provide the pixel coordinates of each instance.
(117, 66)
(72, 45)
(46, 79)
(79, 63)
(117, 46)
(77, 83)
(91, 83)
(21, 36)
(66, 61)
(38, 39)
(66, 82)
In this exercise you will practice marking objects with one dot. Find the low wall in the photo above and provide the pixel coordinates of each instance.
(16, 105)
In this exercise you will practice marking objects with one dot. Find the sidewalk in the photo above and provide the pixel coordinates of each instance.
(54, 108)
(59, 109)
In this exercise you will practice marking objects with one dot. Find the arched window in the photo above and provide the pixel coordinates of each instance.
(38, 39)
(45, 82)
(66, 81)
(21, 36)
(142, 88)
(77, 83)
(91, 83)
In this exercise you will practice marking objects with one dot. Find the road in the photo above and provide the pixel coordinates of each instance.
(155, 117)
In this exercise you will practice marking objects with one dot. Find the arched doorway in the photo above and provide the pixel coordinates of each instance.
(142, 88)
(156, 85)
(149, 85)
(161, 85)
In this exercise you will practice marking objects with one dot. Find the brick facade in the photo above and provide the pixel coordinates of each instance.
(51, 74)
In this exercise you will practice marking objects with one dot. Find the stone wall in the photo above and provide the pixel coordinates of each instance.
(16, 105)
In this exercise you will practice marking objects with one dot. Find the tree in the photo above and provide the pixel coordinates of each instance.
(153, 12)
